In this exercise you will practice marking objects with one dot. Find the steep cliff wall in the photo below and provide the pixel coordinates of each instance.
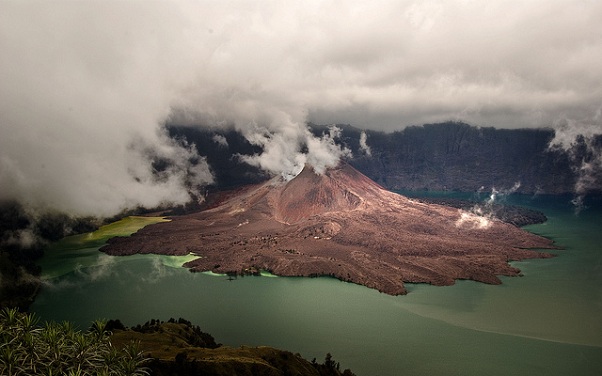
(457, 156)
(445, 156)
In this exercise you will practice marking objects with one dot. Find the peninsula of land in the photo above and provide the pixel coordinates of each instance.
(340, 224)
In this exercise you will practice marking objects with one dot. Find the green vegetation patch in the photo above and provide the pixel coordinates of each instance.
(124, 227)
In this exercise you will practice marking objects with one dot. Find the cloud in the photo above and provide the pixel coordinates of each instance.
(581, 140)
(103, 269)
(461, 60)
(158, 272)
(87, 86)
(386, 65)
(82, 85)
(22, 238)
(220, 140)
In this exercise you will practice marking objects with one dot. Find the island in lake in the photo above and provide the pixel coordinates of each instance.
(342, 224)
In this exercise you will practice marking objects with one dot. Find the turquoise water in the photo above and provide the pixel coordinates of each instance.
(548, 322)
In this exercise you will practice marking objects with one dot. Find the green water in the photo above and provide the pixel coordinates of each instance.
(548, 322)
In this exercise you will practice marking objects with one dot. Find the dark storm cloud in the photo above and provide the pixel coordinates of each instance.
(84, 81)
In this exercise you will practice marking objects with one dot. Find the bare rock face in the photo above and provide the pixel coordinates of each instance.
(309, 194)
(344, 225)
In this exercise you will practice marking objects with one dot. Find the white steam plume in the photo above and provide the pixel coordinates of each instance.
(473, 221)
(284, 154)
(364, 144)
(481, 214)
(496, 195)
(323, 153)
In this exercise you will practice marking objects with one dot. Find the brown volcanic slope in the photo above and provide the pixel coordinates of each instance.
(341, 224)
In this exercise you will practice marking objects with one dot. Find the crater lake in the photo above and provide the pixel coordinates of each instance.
(547, 322)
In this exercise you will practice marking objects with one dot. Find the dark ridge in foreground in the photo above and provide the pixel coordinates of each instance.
(173, 348)
(178, 348)
(339, 224)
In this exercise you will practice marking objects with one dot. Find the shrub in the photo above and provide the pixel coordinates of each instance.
(27, 348)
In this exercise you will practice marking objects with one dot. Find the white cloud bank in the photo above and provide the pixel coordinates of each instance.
(85, 87)
(81, 82)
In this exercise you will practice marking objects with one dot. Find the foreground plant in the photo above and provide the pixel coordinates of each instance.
(58, 349)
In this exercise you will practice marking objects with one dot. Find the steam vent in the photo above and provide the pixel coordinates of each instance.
(340, 224)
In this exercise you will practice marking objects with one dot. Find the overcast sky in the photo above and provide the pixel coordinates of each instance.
(86, 86)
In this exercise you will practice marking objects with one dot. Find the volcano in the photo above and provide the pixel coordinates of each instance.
(340, 224)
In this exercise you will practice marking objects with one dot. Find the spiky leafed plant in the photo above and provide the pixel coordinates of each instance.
(59, 349)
